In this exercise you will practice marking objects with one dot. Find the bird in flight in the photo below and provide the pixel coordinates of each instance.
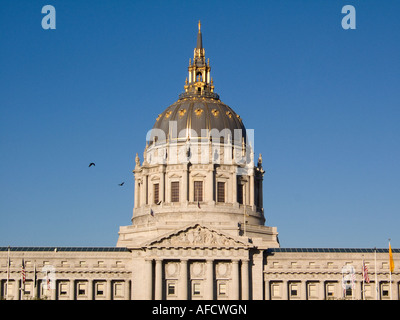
(121, 184)
(91, 164)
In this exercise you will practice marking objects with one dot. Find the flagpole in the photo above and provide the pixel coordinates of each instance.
(34, 281)
(22, 279)
(363, 278)
(376, 279)
(8, 270)
(390, 269)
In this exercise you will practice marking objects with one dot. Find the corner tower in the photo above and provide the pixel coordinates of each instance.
(198, 167)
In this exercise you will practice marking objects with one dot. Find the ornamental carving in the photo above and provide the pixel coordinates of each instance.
(182, 112)
(197, 236)
(215, 112)
(167, 114)
(198, 112)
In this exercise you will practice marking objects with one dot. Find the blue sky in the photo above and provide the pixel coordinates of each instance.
(323, 103)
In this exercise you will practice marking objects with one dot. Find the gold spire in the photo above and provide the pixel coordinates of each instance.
(199, 82)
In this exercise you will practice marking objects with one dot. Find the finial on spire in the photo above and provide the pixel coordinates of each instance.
(198, 82)
(200, 42)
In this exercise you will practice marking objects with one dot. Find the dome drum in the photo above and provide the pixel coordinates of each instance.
(198, 162)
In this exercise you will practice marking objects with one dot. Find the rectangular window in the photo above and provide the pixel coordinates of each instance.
(10, 287)
(100, 289)
(156, 193)
(171, 289)
(118, 289)
(198, 191)
(175, 191)
(221, 192)
(294, 290)
(196, 289)
(368, 291)
(385, 290)
(63, 289)
(81, 289)
(275, 290)
(28, 288)
(64, 264)
(330, 290)
(240, 193)
(222, 289)
(312, 290)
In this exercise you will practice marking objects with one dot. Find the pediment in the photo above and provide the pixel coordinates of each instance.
(197, 236)
(198, 175)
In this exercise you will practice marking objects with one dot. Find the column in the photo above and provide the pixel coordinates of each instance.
(109, 290)
(304, 290)
(183, 280)
(144, 190)
(209, 294)
(245, 279)
(35, 289)
(137, 193)
(395, 290)
(321, 295)
(234, 186)
(162, 184)
(252, 189)
(54, 291)
(148, 280)
(15, 288)
(285, 290)
(235, 280)
(127, 287)
(184, 190)
(267, 287)
(90, 289)
(72, 289)
(209, 186)
(158, 279)
(256, 275)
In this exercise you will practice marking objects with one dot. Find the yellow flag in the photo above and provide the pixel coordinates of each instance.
(391, 262)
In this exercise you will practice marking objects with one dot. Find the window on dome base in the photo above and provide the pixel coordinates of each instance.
(156, 193)
(175, 191)
(221, 192)
(240, 193)
(198, 191)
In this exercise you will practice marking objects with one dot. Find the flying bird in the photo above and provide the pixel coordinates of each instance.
(91, 164)
(121, 184)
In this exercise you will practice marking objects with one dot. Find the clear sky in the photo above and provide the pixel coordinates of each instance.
(324, 104)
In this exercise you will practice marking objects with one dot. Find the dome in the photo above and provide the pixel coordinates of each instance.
(198, 118)
(198, 114)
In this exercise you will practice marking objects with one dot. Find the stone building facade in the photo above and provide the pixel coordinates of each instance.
(198, 227)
